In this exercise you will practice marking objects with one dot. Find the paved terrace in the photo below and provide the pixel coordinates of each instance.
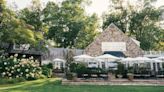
(139, 82)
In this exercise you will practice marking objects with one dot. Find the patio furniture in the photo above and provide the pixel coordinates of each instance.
(160, 74)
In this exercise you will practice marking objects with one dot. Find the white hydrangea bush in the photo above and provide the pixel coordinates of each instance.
(19, 68)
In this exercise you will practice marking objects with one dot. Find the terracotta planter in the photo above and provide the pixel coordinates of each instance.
(130, 76)
(111, 76)
(75, 77)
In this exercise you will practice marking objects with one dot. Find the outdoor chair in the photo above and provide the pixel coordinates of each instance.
(85, 76)
(104, 76)
(94, 76)
(160, 74)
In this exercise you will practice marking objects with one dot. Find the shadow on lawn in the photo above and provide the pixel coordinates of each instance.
(53, 85)
(30, 86)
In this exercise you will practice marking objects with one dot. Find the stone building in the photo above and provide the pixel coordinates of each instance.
(114, 41)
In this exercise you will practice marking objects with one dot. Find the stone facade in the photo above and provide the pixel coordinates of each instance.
(113, 34)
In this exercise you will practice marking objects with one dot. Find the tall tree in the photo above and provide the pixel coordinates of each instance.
(67, 21)
(86, 36)
(32, 16)
(14, 30)
(141, 23)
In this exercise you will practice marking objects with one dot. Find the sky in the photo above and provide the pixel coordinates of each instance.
(97, 6)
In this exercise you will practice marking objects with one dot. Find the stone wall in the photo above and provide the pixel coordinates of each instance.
(113, 34)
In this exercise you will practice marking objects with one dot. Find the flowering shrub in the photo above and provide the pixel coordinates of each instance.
(47, 70)
(19, 68)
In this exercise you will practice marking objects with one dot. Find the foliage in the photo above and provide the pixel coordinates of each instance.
(81, 68)
(47, 70)
(66, 24)
(143, 26)
(78, 68)
(69, 76)
(11, 81)
(51, 85)
(50, 65)
(19, 68)
(141, 23)
(130, 70)
(69, 25)
(10, 25)
(86, 36)
(68, 55)
(120, 69)
(33, 17)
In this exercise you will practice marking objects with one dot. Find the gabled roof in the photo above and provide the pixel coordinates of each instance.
(113, 34)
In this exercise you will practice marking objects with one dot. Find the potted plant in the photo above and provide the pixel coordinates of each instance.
(111, 74)
(130, 74)
(120, 70)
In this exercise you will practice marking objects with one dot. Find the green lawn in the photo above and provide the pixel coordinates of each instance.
(51, 85)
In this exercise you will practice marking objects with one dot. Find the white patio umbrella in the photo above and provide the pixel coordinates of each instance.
(59, 60)
(128, 59)
(57, 63)
(161, 58)
(157, 60)
(107, 57)
(83, 57)
(142, 59)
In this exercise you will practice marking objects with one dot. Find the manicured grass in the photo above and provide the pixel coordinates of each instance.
(53, 85)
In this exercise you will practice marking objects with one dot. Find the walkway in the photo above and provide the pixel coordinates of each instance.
(139, 82)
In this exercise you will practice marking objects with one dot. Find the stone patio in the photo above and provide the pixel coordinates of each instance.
(139, 82)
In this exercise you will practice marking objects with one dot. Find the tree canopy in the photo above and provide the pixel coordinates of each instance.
(14, 30)
(141, 23)
(69, 25)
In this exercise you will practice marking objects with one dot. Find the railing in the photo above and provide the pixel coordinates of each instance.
(154, 53)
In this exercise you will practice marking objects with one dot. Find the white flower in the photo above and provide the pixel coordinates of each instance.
(27, 75)
(21, 73)
(9, 74)
(36, 61)
(12, 67)
(33, 70)
(3, 73)
(10, 77)
(18, 70)
(22, 65)
(17, 76)
(32, 74)
(27, 70)
(16, 55)
(6, 68)
(40, 72)
(12, 71)
(24, 56)
(31, 57)
(5, 63)
(15, 60)
(11, 56)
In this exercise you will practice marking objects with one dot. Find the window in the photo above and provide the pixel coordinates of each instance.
(21, 47)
